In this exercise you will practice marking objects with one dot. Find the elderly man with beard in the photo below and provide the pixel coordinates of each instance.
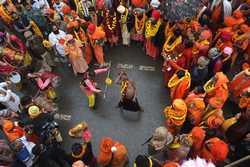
(56, 38)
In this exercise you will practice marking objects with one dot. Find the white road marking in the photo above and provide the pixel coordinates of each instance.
(146, 68)
(125, 66)
(131, 66)
(63, 117)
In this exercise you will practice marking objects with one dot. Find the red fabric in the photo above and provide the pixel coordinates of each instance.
(216, 13)
(188, 54)
(100, 4)
(151, 49)
(139, 3)
(225, 35)
(156, 14)
(18, 41)
(238, 84)
(217, 66)
(91, 28)
(6, 69)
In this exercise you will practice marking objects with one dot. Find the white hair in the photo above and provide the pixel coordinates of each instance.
(198, 162)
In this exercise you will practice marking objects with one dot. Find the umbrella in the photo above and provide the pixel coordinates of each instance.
(181, 9)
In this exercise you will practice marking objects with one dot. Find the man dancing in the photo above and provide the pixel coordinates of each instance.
(128, 93)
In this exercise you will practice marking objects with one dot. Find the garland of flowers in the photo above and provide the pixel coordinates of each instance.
(140, 24)
(169, 48)
(151, 29)
(124, 87)
(114, 22)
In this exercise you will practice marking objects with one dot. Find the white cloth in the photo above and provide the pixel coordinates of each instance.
(40, 4)
(10, 99)
(58, 7)
(227, 8)
(54, 40)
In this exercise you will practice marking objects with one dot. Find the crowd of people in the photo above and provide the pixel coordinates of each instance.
(201, 56)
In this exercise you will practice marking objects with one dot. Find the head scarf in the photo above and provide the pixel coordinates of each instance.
(105, 154)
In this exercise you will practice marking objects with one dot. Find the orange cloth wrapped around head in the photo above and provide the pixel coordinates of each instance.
(171, 164)
(218, 95)
(214, 121)
(177, 114)
(120, 154)
(66, 9)
(214, 150)
(105, 154)
(195, 107)
(198, 136)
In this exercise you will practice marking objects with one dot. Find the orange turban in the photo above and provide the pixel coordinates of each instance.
(66, 9)
(206, 34)
(119, 155)
(198, 133)
(171, 164)
(221, 79)
(105, 154)
(214, 121)
(219, 149)
(179, 104)
(177, 115)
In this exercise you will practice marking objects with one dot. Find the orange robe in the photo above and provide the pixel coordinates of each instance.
(218, 97)
(180, 90)
(98, 35)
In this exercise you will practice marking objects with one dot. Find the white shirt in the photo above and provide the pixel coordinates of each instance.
(54, 40)
(10, 100)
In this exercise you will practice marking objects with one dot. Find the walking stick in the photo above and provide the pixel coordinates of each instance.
(106, 86)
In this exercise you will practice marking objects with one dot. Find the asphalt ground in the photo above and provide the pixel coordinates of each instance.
(129, 128)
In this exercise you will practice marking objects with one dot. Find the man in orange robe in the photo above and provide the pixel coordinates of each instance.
(195, 106)
(217, 91)
(97, 38)
(112, 153)
(175, 115)
(179, 84)
(215, 150)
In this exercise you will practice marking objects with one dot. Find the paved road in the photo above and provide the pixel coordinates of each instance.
(132, 129)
